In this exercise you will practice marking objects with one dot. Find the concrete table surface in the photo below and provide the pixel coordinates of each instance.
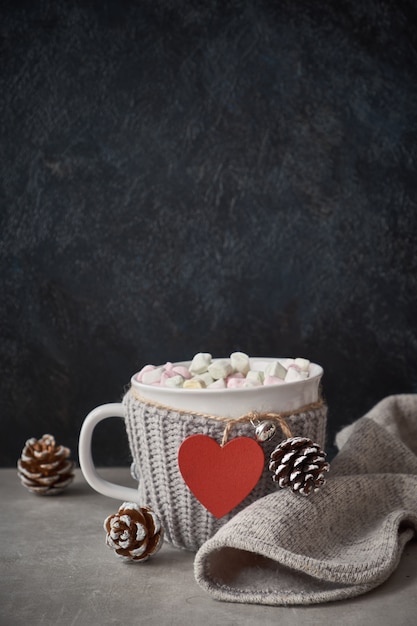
(56, 570)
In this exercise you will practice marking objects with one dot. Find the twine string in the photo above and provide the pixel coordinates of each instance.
(252, 416)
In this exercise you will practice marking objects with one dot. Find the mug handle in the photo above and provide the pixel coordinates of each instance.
(87, 466)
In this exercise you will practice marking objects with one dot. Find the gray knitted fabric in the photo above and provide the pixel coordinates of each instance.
(155, 434)
(339, 542)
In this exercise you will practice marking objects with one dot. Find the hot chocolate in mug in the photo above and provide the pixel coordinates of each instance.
(160, 419)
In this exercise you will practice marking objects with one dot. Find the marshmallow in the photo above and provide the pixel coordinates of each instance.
(182, 371)
(194, 383)
(240, 362)
(236, 376)
(295, 373)
(255, 377)
(152, 376)
(251, 383)
(200, 363)
(166, 374)
(287, 362)
(303, 364)
(273, 380)
(220, 369)
(233, 382)
(206, 378)
(174, 381)
(274, 368)
(236, 372)
(220, 383)
(146, 368)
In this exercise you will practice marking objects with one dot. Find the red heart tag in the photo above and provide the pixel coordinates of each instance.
(220, 477)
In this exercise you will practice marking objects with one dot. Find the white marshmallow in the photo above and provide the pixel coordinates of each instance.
(287, 362)
(152, 376)
(220, 383)
(303, 364)
(146, 368)
(251, 383)
(255, 377)
(220, 369)
(206, 378)
(274, 368)
(174, 381)
(200, 363)
(294, 373)
(240, 362)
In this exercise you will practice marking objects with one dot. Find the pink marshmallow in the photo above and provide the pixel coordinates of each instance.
(167, 374)
(182, 371)
(235, 375)
(168, 366)
(234, 382)
(273, 380)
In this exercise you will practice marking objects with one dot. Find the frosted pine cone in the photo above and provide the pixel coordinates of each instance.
(300, 464)
(44, 467)
(135, 532)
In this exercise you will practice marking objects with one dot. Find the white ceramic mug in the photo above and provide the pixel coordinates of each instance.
(157, 421)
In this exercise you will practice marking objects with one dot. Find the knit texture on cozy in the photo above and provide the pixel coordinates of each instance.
(155, 434)
(339, 542)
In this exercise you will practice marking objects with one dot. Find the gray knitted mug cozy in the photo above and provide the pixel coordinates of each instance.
(155, 434)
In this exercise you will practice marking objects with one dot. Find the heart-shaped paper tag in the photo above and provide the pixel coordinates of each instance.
(220, 477)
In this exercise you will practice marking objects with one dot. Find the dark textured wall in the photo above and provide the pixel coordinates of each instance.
(183, 176)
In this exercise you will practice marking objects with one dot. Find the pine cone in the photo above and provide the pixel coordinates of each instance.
(44, 467)
(300, 464)
(135, 532)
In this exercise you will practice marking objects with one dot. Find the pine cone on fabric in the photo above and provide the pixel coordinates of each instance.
(44, 467)
(134, 532)
(300, 464)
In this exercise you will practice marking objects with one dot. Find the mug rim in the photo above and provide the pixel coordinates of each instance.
(142, 387)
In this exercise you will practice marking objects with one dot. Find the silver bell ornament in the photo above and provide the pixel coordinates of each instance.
(265, 431)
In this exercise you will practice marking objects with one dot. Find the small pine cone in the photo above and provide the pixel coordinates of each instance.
(44, 467)
(300, 464)
(134, 532)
